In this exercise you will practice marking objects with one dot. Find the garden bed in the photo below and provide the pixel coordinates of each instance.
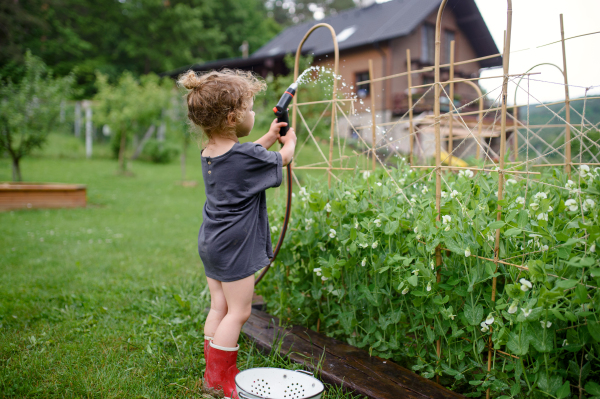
(341, 364)
(41, 195)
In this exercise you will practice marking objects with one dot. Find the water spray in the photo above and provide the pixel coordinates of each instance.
(281, 109)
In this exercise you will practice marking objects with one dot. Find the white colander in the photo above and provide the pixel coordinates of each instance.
(275, 383)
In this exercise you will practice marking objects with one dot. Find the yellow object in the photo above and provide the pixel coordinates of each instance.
(456, 161)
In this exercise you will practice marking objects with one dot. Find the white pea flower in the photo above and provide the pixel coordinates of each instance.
(520, 200)
(526, 312)
(402, 181)
(467, 252)
(415, 272)
(356, 225)
(544, 247)
(571, 204)
(348, 193)
(584, 170)
(273, 229)
(379, 183)
(489, 320)
(332, 233)
(484, 327)
(366, 174)
(452, 316)
(303, 191)
(425, 190)
(491, 237)
(547, 324)
(428, 287)
(405, 291)
(323, 278)
(469, 173)
(317, 270)
(511, 181)
(454, 194)
(432, 264)
(447, 228)
(570, 185)
(512, 309)
(377, 222)
(444, 194)
(364, 262)
(328, 207)
(374, 245)
(416, 229)
(309, 221)
(543, 216)
(540, 195)
(588, 204)
(534, 206)
(446, 219)
(525, 285)
(550, 209)
(593, 248)
(565, 342)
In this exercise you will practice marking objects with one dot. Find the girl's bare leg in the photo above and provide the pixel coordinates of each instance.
(218, 307)
(238, 295)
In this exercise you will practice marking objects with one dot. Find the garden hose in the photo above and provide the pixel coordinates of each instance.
(281, 111)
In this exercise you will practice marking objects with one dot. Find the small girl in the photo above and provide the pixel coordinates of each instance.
(234, 240)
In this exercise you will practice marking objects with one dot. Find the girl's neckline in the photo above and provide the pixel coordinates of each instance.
(219, 156)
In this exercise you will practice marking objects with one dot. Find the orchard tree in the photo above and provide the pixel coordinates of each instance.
(130, 106)
(29, 109)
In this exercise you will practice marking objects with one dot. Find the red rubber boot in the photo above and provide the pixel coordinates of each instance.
(207, 340)
(221, 370)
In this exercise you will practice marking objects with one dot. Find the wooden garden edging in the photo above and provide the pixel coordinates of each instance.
(41, 195)
(341, 364)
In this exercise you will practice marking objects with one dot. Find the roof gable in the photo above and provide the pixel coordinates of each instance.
(380, 22)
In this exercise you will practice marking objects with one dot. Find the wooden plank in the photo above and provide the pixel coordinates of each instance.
(342, 364)
(31, 196)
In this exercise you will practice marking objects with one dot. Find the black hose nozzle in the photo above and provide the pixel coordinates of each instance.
(281, 109)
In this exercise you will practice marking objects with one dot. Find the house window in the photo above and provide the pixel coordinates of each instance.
(362, 91)
(448, 37)
(428, 43)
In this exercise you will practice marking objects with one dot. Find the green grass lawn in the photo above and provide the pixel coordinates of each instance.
(106, 301)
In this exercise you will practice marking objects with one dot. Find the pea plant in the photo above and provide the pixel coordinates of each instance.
(358, 264)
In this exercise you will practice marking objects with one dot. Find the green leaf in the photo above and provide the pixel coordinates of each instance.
(564, 391)
(390, 228)
(519, 345)
(566, 284)
(513, 232)
(592, 388)
(496, 225)
(594, 329)
(474, 315)
(413, 280)
(353, 233)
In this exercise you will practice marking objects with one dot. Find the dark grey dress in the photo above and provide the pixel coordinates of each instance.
(234, 240)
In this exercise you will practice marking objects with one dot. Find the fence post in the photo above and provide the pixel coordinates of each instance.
(87, 105)
(411, 139)
(373, 118)
(77, 118)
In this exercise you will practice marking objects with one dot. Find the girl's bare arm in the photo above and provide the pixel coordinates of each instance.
(289, 146)
(272, 135)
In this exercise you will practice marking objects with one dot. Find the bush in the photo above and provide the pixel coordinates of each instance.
(160, 152)
(358, 262)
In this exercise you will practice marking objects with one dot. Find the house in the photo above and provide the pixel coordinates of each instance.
(383, 32)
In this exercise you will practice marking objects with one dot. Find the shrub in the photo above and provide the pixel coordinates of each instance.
(358, 262)
(160, 152)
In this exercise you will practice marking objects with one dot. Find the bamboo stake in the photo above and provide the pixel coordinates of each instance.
(451, 99)
(567, 105)
(515, 134)
(480, 78)
(505, 63)
(438, 163)
(373, 121)
(410, 108)
(562, 102)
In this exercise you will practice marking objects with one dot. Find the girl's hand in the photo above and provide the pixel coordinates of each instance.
(289, 137)
(275, 127)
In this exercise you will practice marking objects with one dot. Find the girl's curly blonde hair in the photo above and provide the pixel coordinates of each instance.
(218, 100)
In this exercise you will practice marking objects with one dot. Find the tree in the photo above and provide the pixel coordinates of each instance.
(140, 36)
(29, 109)
(130, 106)
(292, 12)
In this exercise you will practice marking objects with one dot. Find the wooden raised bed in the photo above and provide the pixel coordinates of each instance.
(342, 364)
(41, 195)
